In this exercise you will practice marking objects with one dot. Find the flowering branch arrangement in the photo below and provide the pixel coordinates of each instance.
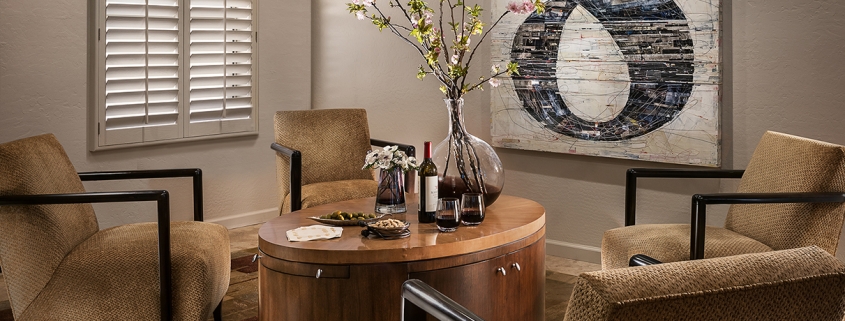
(389, 158)
(447, 55)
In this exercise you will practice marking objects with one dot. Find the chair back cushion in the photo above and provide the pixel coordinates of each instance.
(34, 239)
(784, 163)
(797, 284)
(333, 143)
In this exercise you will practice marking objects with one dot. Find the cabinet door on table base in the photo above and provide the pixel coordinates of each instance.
(508, 287)
(369, 292)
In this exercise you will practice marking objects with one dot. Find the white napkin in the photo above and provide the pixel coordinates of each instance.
(314, 232)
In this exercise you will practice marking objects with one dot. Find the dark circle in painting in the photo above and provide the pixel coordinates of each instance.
(654, 38)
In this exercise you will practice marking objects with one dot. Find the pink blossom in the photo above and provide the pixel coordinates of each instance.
(437, 50)
(514, 7)
(434, 35)
(428, 16)
(371, 2)
(494, 82)
(455, 58)
(528, 6)
(360, 15)
(358, 2)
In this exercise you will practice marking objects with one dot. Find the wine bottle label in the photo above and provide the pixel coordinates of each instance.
(431, 193)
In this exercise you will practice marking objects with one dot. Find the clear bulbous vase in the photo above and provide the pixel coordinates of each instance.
(466, 164)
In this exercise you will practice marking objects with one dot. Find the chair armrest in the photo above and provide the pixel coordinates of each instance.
(162, 199)
(433, 302)
(698, 211)
(642, 260)
(634, 173)
(194, 173)
(295, 157)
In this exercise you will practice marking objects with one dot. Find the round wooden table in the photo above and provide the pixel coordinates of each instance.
(495, 269)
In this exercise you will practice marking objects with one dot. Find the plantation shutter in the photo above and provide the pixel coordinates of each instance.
(140, 80)
(221, 73)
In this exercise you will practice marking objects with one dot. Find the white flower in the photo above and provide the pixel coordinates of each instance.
(496, 68)
(455, 58)
(495, 82)
(360, 15)
(389, 158)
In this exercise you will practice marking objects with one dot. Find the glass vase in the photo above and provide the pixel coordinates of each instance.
(390, 197)
(466, 164)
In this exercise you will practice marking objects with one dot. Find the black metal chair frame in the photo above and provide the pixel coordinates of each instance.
(433, 302)
(698, 209)
(161, 197)
(295, 157)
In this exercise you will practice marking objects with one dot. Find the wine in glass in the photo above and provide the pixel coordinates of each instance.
(472, 208)
(448, 215)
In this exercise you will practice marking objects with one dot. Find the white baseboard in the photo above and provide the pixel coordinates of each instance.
(573, 251)
(244, 219)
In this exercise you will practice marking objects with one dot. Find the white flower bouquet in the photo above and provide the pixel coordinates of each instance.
(389, 158)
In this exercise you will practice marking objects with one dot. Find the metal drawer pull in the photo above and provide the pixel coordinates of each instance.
(516, 265)
(319, 272)
(501, 269)
(256, 257)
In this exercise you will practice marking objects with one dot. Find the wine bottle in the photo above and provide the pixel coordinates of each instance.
(428, 187)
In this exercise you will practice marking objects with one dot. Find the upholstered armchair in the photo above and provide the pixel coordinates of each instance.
(58, 265)
(797, 284)
(791, 195)
(320, 155)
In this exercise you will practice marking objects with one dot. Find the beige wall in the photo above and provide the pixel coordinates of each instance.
(43, 68)
(783, 71)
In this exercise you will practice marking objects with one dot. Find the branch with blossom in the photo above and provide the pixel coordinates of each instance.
(449, 61)
(388, 158)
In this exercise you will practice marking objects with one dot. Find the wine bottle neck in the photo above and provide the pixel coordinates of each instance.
(427, 150)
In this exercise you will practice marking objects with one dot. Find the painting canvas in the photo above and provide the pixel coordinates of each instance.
(633, 79)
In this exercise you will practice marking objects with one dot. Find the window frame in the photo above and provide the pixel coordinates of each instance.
(151, 135)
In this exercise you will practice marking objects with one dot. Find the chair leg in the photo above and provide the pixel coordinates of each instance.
(218, 312)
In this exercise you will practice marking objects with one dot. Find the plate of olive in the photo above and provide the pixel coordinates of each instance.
(341, 218)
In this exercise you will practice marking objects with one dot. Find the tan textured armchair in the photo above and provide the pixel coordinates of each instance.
(797, 284)
(320, 155)
(58, 265)
(791, 195)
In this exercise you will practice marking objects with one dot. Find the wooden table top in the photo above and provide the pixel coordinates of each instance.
(509, 219)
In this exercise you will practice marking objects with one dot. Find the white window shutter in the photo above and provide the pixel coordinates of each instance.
(221, 49)
(173, 70)
(140, 78)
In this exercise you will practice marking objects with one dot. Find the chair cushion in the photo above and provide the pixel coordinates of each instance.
(784, 163)
(670, 243)
(114, 275)
(798, 284)
(330, 192)
(333, 143)
(35, 239)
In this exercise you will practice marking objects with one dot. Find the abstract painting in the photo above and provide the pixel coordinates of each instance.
(633, 79)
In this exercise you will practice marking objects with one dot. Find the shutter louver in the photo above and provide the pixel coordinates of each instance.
(221, 77)
(141, 71)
